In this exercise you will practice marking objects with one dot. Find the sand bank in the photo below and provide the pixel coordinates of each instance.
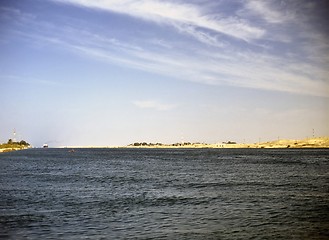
(320, 142)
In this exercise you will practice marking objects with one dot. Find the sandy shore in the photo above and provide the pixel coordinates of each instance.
(11, 149)
(321, 142)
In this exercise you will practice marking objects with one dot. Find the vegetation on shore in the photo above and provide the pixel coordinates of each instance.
(12, 146)
(320, 142)
(145, 144)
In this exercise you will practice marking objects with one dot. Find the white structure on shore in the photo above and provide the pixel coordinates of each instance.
(14, 135)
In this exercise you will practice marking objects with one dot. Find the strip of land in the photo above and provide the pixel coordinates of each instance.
(14, 146)
(320, 142)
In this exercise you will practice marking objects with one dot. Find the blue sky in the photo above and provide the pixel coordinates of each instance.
(110, 72)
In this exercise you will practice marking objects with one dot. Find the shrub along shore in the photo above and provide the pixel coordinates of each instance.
(13, 146)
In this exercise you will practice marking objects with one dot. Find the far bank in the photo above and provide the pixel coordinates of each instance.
(14, 146)
(320, 142)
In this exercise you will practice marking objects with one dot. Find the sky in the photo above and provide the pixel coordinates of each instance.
(115, 72)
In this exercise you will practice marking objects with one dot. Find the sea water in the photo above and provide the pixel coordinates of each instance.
(164, 194)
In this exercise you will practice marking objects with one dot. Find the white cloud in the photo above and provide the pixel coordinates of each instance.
(155, 105)
(269, 13)
(229, 65)
(201, 36)
(176, 14)
(240, 69)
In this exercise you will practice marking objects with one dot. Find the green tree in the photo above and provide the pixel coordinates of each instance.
(24, 143)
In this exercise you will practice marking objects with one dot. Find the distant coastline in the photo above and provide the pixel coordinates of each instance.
(319, 142)
(14, 146)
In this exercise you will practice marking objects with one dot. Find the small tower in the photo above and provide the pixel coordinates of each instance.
(14, 135)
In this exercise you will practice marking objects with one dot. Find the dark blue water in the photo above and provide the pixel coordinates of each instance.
(164, 194)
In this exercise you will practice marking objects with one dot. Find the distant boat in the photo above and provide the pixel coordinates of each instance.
(45, 145)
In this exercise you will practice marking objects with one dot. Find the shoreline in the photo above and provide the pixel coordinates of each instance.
(4, 150)
(319, 142)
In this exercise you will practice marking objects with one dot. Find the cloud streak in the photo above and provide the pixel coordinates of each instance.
(234, 68)
(266, 11)
(181, 15)
(152, 104)
(211, 61)
(28, 80)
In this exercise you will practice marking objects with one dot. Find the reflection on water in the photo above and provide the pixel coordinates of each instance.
(164, 194)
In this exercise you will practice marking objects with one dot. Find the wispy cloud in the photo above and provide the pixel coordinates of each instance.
(155, 105)
(177, 14)
(228, 67)
(272, 12)
(28, 80)
(219, 63)
(202, 36)
(8, 13)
